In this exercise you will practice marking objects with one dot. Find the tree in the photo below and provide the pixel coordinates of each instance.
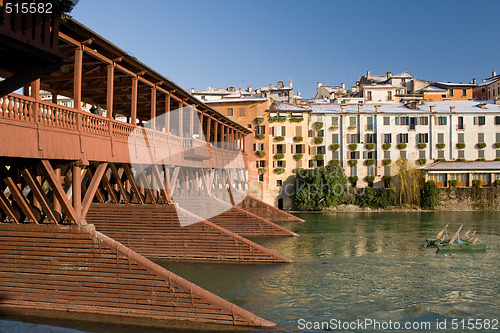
(320, 187)
(430, 194)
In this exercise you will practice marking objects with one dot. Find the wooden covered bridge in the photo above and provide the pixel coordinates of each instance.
(78, 218)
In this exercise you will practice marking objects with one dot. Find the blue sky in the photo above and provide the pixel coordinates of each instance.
(221, 43)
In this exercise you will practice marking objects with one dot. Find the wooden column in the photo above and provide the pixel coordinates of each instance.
(216, 132)
(109, 90)
(133, 102)
(208, 138)
(57, 205)
(226, 136)
(77, 190)
(167, 113)
(35, 93)
(54, 98)
(181, 130)
(153, 108)
(191, 121)
(77, 87)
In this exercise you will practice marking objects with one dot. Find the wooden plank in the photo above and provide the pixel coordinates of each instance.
(93, 188)
(20, 199)
(58, 191)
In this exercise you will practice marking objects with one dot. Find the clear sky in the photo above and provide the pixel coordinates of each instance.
(230, 42)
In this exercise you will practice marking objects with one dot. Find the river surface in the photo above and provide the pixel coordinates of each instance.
(350, 266)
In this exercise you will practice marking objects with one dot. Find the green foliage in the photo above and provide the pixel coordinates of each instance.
(318, 125)
(402, 146)
(481, 145)
(334, 162)
(441, 159)
(334, 146)
(277, 119)
(430, 193)
(279, 156)
(386, 161)
(353, 146)
(497, 144)
(353, 179)
(461, 160)
(279, 171)
(262, 171)
(422, 145)
(497, 159)
(387, 180)
(318, 140)
(369, 179)
(370, 146)
(319, 157)
(279, 138)
(260, 136)
(261, 153)
(376, 197)
(369, 162)
(386, 146)
(453, 182)
(421, 161)
(440, 145)
(259, 120)
(298, 156)
(460, 145)
(297, 139)
(352, 162)
(320, 187)
(481, 159)
(296, 119)
(410, 183)
(497, 182)
(476, 183)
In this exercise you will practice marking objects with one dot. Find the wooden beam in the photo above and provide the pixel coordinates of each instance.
(77, 79)
(161, 183)
(142, 177)
(77, 190)
(5, 206)
(109, 90)
(116, 176)
(39, 194)
(133, 103)
(98, 192)
(55, 184)
(109, 189)
(130, 176)
(93, 188)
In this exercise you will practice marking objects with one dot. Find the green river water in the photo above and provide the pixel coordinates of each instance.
(350, 266)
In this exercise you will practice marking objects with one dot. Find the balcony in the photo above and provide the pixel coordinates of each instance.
(460, 127)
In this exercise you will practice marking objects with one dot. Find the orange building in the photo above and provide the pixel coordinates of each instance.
(489, 89)
(439, 91)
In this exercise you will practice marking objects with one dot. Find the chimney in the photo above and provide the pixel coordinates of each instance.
(280, 84)
(342, 85)
(377, 108)
(389, 74)
(320, 84)
(360, 108)
(192, 90)
(452, 109)
(494, 73)
(432, 108)
(367, 74)
(290, 83)
(343, 108)
(474, 81)
(270, 86)
(298, 93)
(249, 88)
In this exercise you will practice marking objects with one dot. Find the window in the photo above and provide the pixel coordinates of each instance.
(335, 154)
(319, 117)
(353, 155)
(310, 133)
(497, 120)
(387, 154)
(422, 138)
(480, 137)
(441, 120)
(321, 133)
(464, 92)
(352, 138)
(387, 170)
(278, 131)
(497, 137)
(440, 153)
(389, 95)
(371, 138)
(354, 171)
(403, 154)
(369, 123)
(368, 95)
(263, 163)
(280, 149)
(279, 182)
(387, 121)
(280, 164)
(461, 154)
(421, 154)
(461, 137)
(370, 170)
(352, 121)
(260, 129)
(498, 153)
(451, 92)
(242, 112)
(229, 112)
(371, 155)
(479, 120)
(402, 120)
(335, 121)
(258, 146)
(440, 137)
(460, 123)
(480, 153)
(320, 149)
(320, 163)
(424, 120)
(387, 138)
(335, 138)
(312, 163)
(402, 138)
(261, 178)
(299, 149)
